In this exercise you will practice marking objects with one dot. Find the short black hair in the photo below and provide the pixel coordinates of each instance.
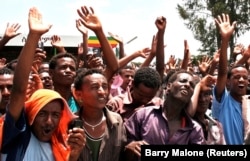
(173, 77)
(42, 70)
(6, 70)
(147, 76)
(126, 67)
(169, 74)
(229, 73)
(53, 60)
(82, 74)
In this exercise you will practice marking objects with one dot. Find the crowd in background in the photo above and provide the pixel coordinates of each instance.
(113, 105)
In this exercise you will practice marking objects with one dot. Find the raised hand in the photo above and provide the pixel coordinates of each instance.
(39, 57)
(246, 52)
(58, 44)
(80, 49)
(161, 23)
(172, 62)
(216, 56)
(116, 37)
(226, 29)
(143, 52)
(11, 30)
(186, 57)
(238, 49)
(204, 64)
(207, 83)
(80, 27)
(94, 62)
(154, 45)
(36, 24)
(56, 41)
(186, 48)
(89, 19)
(34, 83)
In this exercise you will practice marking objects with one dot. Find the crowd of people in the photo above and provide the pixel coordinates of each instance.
(113, 106)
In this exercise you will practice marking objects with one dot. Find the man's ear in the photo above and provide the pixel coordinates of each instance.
(168, 86)
(77, 94)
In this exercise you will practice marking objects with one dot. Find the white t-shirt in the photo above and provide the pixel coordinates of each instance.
(36, 151)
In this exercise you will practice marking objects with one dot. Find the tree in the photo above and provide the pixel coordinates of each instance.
(198, 16)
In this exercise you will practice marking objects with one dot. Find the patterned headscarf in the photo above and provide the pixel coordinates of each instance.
(35, 103)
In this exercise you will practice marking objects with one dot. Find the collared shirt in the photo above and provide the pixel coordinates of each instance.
(73, 105)
(229, 112)
(123, 104)
(113, 141)
(149, 124)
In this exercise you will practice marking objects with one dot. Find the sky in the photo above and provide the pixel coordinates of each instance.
(126, 18)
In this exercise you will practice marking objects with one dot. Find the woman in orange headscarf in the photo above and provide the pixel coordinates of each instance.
(36, 129)
(35, 104)
(48, 116)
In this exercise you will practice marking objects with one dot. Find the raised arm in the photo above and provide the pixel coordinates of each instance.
(226, 31)
(91, 21)
(84, 31)
(152, 53)
(205, 84)
(82, 47)
(214, 62)
(204, 65)
(186, 57)
(58, 44)
(128, 58)
(245, 57)
(11, 31)
(25, 60)
(160, 23)
(238, 50)
(121, 44)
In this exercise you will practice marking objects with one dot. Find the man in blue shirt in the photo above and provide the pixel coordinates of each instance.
(227, 102)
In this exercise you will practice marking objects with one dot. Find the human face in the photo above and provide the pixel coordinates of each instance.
(44, 67)
(182, 88)
(205, 98)
(47, 120)
(127, 76)
(6, 83)
(143, 94)
(65, 71)
(238, 82)
(94, 92)
(46, 80)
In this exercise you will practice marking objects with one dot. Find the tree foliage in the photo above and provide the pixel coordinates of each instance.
(198, 16)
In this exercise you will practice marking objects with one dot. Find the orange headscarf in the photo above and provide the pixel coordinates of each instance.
(35, 103)
(1, 130)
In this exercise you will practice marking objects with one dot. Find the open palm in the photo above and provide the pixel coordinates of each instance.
(226, 29)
